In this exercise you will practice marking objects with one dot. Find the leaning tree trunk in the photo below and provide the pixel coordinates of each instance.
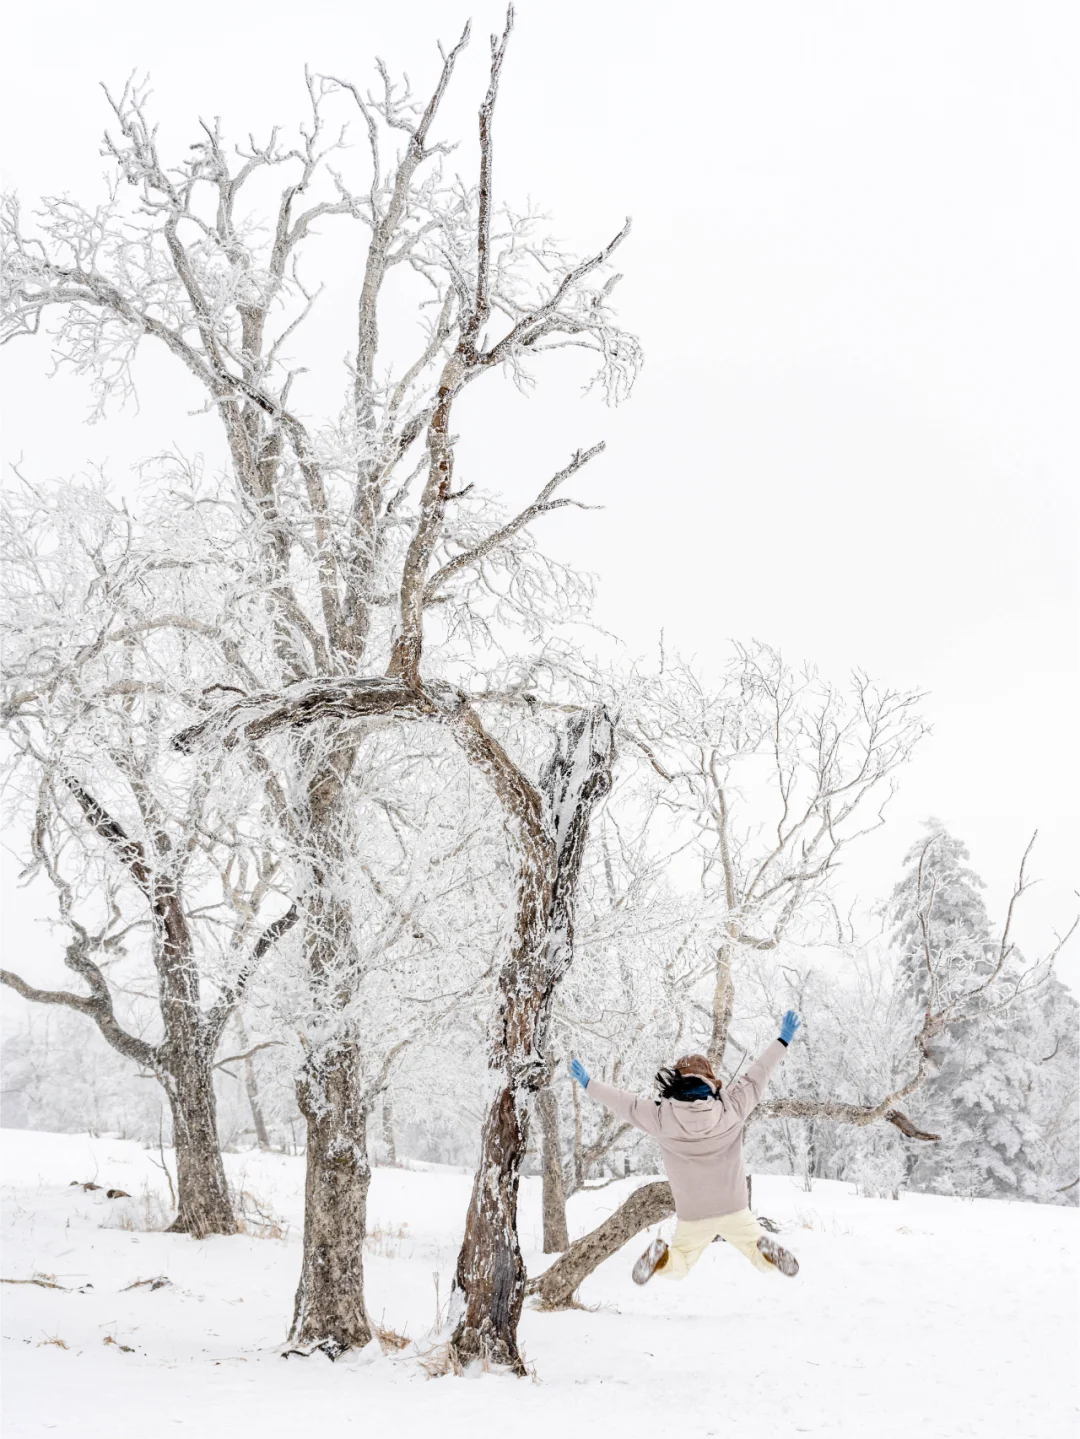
(329, 1312)
(203, 1195)
(653, 1202)
(556, 1235)
(490, 1277)
(556, 1287)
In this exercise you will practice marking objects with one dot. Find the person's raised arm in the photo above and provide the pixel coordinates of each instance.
(745, 1094)
(643, 1114)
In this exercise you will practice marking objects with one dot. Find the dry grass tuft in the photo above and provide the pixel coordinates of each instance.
(440, 1361)
(572, 1303)
(256, 1220)
(386, 1239)
(390, 1341)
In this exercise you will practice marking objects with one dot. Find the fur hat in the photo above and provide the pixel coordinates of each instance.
(699, 1066)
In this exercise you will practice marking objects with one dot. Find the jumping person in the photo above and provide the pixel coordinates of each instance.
(699, 1126)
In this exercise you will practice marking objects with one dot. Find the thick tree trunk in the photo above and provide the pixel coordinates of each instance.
(203, 1195)
(556, 1235)
(648, 1205)
(551, 842)
(329, 1313)
(490, 1271)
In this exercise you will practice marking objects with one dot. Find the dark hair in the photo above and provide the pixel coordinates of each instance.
(673, 1085)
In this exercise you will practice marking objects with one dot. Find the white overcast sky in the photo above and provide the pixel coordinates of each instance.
(854, 271)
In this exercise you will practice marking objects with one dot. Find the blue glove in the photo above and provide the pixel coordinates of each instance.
(789, 1024)
(580, 1073)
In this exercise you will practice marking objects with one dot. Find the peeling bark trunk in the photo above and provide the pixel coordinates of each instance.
(490, 1271)
(556, 1235)
(203, 1195)
(551, 841)
(329, 1312)
(557, 1285)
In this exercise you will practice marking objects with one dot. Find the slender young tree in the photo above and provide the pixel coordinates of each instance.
(774, 774)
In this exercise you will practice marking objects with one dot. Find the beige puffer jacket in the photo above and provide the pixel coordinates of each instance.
(700, 1139)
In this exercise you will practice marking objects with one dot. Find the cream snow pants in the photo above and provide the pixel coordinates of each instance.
(693, 1236)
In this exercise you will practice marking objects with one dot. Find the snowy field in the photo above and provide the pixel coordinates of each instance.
(929, 1316)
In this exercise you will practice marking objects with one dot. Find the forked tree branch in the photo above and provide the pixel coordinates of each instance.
(231, 995)
(97, 1005)
(129, 851)
(541, 505)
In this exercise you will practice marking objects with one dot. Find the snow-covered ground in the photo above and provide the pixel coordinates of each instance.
(925, 1316)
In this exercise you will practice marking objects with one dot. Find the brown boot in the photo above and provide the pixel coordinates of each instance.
(654, 1258)
(785, 1262)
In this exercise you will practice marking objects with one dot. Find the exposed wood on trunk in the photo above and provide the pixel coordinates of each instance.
(329, 1310)
(490, 1273)
(577, 1157)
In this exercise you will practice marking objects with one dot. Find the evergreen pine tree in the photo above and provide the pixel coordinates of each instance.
(983, 1098)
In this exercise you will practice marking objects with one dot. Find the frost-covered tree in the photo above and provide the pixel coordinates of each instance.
(169, 900)
(372, 578)
(938, 879)
(772, 773)
(983, 1096)
(1052, 1037)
